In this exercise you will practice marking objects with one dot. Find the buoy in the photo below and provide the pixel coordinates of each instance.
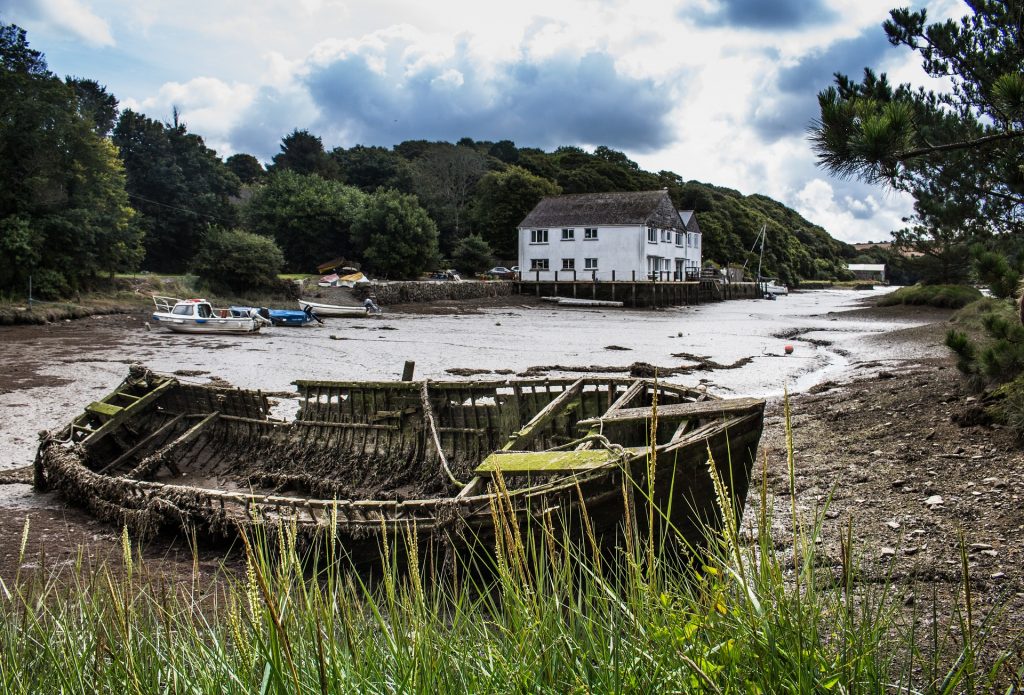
(789, 349)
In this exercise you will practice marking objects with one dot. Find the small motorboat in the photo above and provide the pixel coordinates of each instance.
(775, 289)
(337, 311)
(279, 317)
(199, 316)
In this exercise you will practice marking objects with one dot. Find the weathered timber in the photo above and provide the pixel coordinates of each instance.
(680, 410)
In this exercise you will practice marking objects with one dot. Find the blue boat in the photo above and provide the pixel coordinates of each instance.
(278, 317)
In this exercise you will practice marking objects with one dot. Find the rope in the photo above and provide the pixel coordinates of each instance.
(428, 415)
(618, 449)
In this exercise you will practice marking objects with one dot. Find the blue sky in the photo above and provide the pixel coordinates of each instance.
(716, 90)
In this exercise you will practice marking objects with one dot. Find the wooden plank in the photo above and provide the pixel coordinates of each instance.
(103, 409)
(634, 390)
(708, 408)
(127, 412)
(551, 462)
(547, 414)
(146, 440)
(148, 465)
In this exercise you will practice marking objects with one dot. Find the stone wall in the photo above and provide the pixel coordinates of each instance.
(424, 291)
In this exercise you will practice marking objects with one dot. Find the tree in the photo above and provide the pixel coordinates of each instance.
(303, 153)
(445, 178)
(503, 200)
(959, 153)
(370, 168)
(309, 217)
(236, 260)
(177, 184)
(395, 236)
(64, 213)
(472, 255)
(246, 167)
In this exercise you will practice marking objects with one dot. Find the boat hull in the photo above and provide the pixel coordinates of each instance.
(335, 310)
(217, 324)
(318, 473)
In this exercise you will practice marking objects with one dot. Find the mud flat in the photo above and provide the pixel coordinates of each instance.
(49, 373)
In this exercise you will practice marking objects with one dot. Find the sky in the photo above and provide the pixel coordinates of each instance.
(721, 91)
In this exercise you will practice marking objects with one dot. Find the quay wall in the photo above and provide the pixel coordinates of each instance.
(645, 294)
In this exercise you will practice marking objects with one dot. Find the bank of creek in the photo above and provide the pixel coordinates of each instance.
(873, 395)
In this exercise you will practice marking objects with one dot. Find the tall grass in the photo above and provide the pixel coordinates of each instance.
(553, 615)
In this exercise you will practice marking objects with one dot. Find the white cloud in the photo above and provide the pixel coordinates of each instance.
(66, 17)
(818, 202)
(207, 105)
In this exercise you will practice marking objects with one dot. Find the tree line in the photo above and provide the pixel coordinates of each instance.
(87, 190)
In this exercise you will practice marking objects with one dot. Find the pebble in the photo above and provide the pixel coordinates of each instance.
(888, 552)
(894, 525)
(934, 501)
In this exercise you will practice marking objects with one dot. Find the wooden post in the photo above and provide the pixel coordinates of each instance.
(407, 371)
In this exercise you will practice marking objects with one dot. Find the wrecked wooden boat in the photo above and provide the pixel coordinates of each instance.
(444, 458)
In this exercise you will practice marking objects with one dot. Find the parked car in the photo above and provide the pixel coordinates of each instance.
(500, 272)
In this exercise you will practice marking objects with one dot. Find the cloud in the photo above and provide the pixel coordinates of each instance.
(786, 104)
(67, 16)
(208, 106)
(392, 86)
(853, 213)
(765, 14)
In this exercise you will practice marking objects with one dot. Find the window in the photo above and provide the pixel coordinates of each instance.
(538, 236)
(182, 310)
(568, 234)
(652, 235)
(679, 239)
(590, 233)
(568, 264)
(590, 264)
(666, 235)
(539, 263)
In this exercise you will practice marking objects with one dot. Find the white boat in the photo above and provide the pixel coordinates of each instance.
(198, 316)
(773, 287)
(335, 310)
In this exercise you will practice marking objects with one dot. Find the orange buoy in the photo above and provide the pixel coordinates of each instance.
(789, 349)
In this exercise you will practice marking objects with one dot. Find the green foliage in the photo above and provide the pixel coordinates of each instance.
(444, 179)
(994, 270)
(939, 296)
(370, 168)
(309, 217)
(246, 167)
(64, 214)
(395, 236)
(503, 199)
(303, 153)
(472, 255)
(177, 184)
(237, 261)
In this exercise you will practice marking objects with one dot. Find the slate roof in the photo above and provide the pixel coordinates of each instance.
(653, 208)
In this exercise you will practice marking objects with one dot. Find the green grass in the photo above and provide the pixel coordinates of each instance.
(940, 296)
(551, 617)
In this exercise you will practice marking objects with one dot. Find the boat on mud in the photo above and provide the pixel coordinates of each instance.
(443, 459)
(337, 310)
(199, 316)
(279, 317)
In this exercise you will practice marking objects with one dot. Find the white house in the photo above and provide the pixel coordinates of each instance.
(637, 235)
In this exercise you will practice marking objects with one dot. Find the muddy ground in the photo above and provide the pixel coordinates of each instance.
(875, 447)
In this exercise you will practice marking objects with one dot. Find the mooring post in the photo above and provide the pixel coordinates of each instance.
(410, 367)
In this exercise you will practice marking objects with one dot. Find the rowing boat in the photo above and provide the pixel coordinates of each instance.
(361, 458)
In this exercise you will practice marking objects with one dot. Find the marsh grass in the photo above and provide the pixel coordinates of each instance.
(940, 296)
(551, 615)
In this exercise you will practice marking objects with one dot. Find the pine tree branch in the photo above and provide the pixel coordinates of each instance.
(954, 146)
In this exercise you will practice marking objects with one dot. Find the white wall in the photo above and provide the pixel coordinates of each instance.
(622, 249)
